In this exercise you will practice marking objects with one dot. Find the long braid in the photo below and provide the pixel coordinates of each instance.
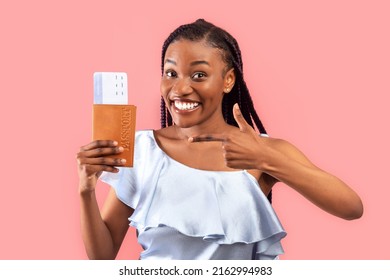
(218, 38)
(163, 115)
(169, 118)
(245, 100)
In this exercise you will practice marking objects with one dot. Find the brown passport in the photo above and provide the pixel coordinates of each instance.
(116, 122)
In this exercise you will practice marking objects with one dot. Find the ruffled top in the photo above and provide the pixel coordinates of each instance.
(186, 213)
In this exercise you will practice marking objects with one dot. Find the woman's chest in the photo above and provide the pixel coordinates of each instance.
(207, 156)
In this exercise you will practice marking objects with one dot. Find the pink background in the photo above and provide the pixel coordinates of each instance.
(319, 76)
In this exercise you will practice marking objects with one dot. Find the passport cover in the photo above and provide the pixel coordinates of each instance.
(116, 122)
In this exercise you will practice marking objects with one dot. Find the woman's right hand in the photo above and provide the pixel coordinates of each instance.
(93, 159)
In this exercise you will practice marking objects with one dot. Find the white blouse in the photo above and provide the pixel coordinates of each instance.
(186, 213)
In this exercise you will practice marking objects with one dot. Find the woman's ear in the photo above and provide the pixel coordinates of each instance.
(229, 80)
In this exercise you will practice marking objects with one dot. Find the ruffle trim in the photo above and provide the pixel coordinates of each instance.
(228, 208)
(269, 247)
(220, 207)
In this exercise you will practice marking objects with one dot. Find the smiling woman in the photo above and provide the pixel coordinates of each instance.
(199, 185)
(193, 84)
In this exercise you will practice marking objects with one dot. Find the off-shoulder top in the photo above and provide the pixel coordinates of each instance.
(186, 213)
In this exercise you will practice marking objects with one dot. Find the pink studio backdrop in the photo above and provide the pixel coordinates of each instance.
(319, 76)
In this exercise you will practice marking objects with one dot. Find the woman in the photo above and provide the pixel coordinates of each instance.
(198, 186)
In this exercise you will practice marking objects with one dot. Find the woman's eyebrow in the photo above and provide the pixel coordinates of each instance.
(197, 62)
(170, 61)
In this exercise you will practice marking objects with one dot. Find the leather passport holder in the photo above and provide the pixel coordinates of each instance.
(116, 122)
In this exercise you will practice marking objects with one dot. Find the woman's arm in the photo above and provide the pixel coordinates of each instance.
(102, 232)
(244, 149)
(287, 164)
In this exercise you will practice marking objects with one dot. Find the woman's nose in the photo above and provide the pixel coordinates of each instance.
(182, 86)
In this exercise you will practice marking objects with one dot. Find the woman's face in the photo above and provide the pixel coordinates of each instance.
(194, 82)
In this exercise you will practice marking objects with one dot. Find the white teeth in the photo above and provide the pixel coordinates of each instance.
(185, 105)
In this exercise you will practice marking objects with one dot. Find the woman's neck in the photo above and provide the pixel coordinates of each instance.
(205, 129)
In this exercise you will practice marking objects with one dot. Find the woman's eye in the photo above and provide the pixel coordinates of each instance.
(199, 75)
(170, 73)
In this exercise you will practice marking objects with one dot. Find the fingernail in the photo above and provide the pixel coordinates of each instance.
(190, 139)
(123, 160)
(115, 143)
(120, 149)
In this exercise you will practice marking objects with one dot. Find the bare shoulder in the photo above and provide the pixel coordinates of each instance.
(278, 143)
(287, 149)
(167, 133)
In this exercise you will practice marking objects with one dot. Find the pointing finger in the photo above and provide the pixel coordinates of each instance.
(208, 138)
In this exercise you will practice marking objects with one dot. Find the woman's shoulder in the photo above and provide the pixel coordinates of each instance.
(144, 133)
(287, 149)
(276, 143)
(144, 140)
(168, 132)
(165, 136)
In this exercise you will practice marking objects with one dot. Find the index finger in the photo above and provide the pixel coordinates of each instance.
(98, 144)
(208, 138)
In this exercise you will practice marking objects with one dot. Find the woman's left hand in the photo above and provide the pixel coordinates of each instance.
(243, 148)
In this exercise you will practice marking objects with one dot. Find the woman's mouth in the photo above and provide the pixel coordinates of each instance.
(185, 105)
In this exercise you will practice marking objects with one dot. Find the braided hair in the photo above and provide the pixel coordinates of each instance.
(218, 38)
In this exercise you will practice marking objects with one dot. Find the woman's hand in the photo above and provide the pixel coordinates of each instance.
(243, 148)
(93, 159)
